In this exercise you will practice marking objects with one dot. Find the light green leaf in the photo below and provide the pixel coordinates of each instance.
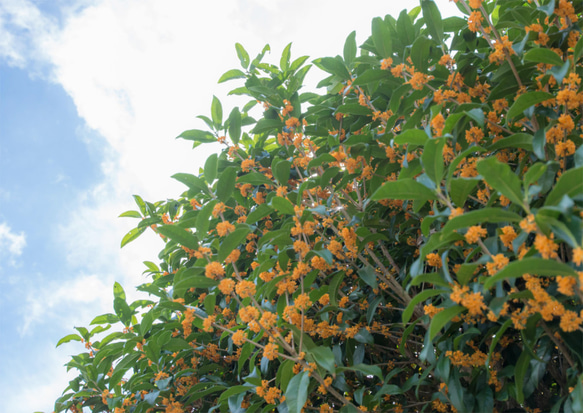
(132, 235)
(461, 188)
(197, 136)
(533, 266)
(243, 55)
(284, 61)
(231, 74)
(254, 178)
(281, 171)
(354, 109)
(130, 214)
(68, 338)
(260, 211)
(217, 112)
(518, 140)
(118, 291)
(519, 373)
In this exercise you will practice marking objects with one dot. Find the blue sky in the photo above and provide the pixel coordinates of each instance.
(92, 95)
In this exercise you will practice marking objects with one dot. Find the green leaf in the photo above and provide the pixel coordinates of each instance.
(235, 125)
(284, 61)
(570, 183)
(189, 278)
(193, 182)
(442, 318)
(254, 178)
(217, 112)
(578, 50)
(197, 136)
(432, 18)
(479, 216)
(518, 140)
(232, 241)
(420, 297)
(243, 55)
(132, 235)
(68, 338)
(519, 373)
(354, 109)
(210, 168)
(533, 266)
(324, 357)
(123, 311)
(413, 137)
(543, 55)
(118, 291)
(499, 176)
(231, 74)
(260, 211)
(267, 125)
(130, 214)
(432, 159)
(366, 369)
(296, 393)
(371, 75)
(179, 235)
(461, 188)
(403, 189)
(527, 100)
(350, 48)
(202, 219)
(226, 183)
(368, 275)
(281, 171)
(334, 66)
(282, 205)
(381, 38)
(105, 319)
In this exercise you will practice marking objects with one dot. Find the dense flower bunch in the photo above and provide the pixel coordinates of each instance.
(408, 240)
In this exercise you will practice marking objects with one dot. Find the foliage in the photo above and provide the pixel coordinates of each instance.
(408, 240)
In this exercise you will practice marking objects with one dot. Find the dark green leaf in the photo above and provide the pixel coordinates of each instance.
(442, 318)
(382, 38)
(179, 235)
(403, 189)
(499, 176)
(432, 18)
(354, 109)
(570, 183)
(413, 137)
(527, 100)
(432, 159)
(232, 241)
(296, 393)
(419, 298)
(282, 205)
(226, 183)
(479, 216)
(324, 357)
(543, 55)
(235, 125)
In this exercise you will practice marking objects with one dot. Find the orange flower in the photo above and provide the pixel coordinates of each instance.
(570, 321)
(218, 209)
(438, 123)
(245, 288)
(499, 262)
(239, 337)
(434, 260)
(566, 285)
(227, 286)
(474, 135)
(475, 233)
(546, 246)
(386, 63)
(578, 255)
(270, 351)
(247, 164)
(225, 228)
(214, 270)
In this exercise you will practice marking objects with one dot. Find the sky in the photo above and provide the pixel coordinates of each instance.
(92, 96)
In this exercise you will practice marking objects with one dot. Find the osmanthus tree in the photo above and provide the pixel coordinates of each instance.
(410, 239)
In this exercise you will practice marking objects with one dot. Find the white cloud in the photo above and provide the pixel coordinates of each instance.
(11, 244)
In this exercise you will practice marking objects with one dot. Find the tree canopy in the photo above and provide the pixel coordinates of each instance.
(409, 239)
